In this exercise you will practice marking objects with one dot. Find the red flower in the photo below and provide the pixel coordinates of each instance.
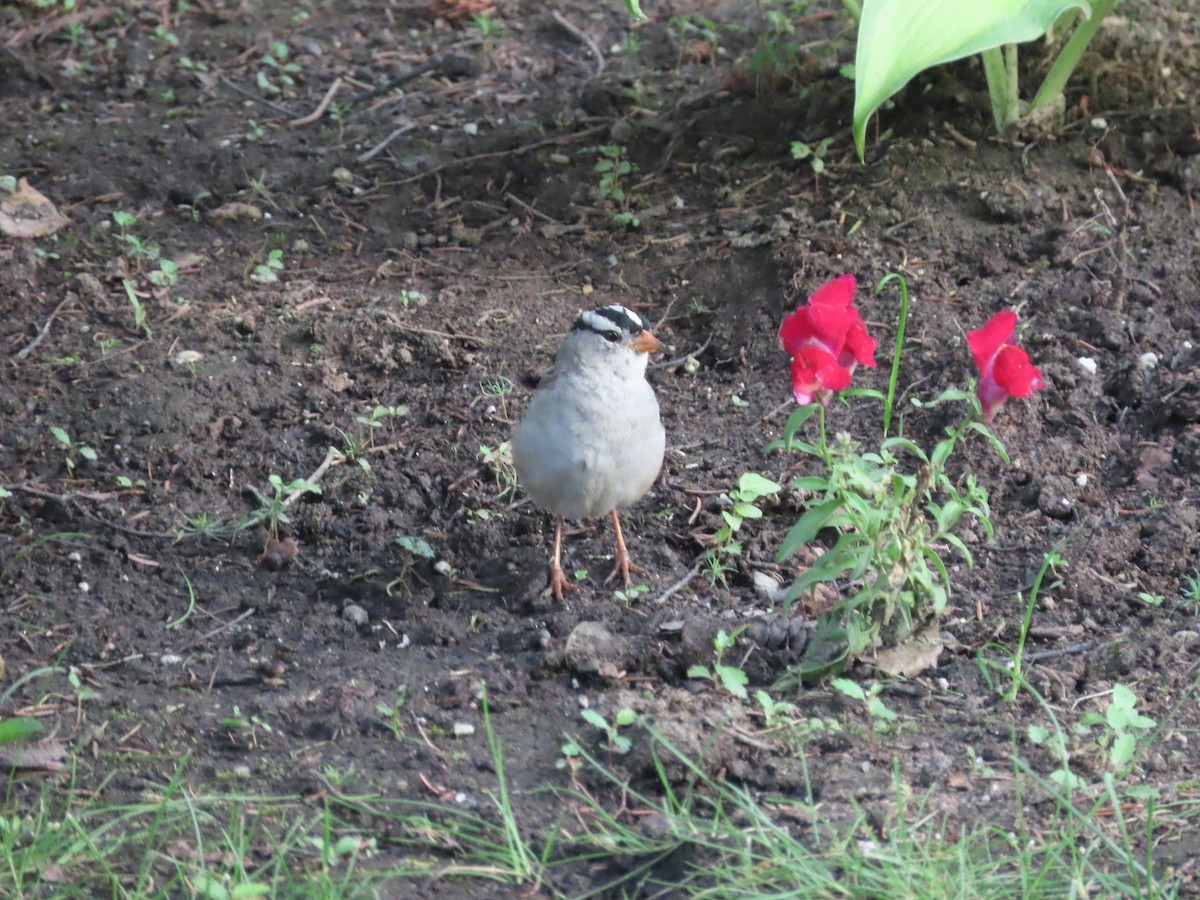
(826, 339)
(1004, 368)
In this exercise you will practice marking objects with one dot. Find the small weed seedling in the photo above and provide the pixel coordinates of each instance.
(202, 525)
(74, 451)
(272, 508)
(1119, 730)
(265, 273)
(410, 298)
(414, 548)
(278, 74)
(814, 153)
(1189, 591)
(497, 389)
(613, 167)
(391, 714)
(630, 594)
(1050, 561)
(751, 488)
(881, 716)
(617, 742)
(139, 311)
(732, 678)
(381, 414)
(498, 460)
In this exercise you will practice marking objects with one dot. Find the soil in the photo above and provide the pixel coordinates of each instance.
(436, 241)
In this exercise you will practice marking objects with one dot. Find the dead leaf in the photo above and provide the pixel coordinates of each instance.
(28, 213)
(235, 210)
(912, 657)
(959, 781)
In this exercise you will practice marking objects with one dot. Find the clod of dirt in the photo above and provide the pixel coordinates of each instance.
(593, 650)
(355, 614)
(1057, 497)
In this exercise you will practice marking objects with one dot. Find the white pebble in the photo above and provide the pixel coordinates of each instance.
(1087, 364)
(170, 659)
(1081, 479)
(84, 587)
(463, 729)
(471, 128)
(1148, 360)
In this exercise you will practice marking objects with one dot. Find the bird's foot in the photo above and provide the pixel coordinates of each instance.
(623, 565)
(558, 584)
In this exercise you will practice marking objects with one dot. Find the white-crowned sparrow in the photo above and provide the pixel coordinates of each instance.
(592, 439)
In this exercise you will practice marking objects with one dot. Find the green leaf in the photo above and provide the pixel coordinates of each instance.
(625, 717)
(60, 435)
(810, 483)
(752, 485)
(1037, 734)
(899, 38)
(802, 533)
(595, 719)
(850, 688)
(18, 727)
(699, 671)
(1122, 751)
(734, 680)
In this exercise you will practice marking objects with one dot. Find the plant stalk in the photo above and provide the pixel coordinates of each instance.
(1056, 79)
(1000, 67)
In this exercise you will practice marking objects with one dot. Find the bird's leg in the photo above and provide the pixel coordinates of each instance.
(558, 581)
(624, 565)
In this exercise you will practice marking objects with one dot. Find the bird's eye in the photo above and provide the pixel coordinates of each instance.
(612, 336)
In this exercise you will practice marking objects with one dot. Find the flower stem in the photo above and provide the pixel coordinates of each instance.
(824, 448)
(889, 401)
(1056, 79)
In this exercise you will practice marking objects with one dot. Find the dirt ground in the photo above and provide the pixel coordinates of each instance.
(432, 243)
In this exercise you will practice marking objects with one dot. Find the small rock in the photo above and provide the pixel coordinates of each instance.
(1056, 499)
(355, 614)
(1148, 360)
(1087, 364)
(185, 358)
(463, 729)
(591, 648)
(246, 324)
(768, 588)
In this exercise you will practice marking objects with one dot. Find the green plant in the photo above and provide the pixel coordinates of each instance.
(814, 153)
(272, 507)
(880, 714)
(1120, 728)
(391, 713)
(278, 74)
(613, 167)
(1189, 590)
(410, 297)
(264, 273)
(892, 519)
(499, 460)
(1151, 599)
(1050, 562)
(202, 525)
(74, 451)
(732, 678)
(899, 38)
(630, 594)
(624, 718)
(751, 488)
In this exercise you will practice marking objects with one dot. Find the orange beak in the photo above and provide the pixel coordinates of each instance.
(646, 343)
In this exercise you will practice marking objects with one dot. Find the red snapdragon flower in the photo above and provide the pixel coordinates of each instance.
(1004, 368)
(826, 339)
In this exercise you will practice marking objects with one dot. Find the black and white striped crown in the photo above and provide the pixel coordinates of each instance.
(606, 318)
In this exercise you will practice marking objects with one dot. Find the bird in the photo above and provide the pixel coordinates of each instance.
(592, 439)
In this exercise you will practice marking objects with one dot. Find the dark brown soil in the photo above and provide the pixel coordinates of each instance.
(453, 259)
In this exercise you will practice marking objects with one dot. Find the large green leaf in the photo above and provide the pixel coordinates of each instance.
(899, 38)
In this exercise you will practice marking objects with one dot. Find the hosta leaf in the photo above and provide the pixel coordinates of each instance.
(899, 38)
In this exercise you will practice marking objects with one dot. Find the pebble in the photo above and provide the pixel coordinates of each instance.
(590, 647)
(355, 614)
(1087, 364)
(463, 729)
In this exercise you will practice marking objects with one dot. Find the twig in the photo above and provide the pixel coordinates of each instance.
(382, 145)
(28, 348)
(679, 585)
(582, 37)
(283, 111)
(500, 154)
(204, 637)
(321, 107)
(395, 323)
(332, 458)
(533, 212)
(684, 358)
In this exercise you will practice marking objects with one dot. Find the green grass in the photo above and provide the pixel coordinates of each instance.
(683, 831)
